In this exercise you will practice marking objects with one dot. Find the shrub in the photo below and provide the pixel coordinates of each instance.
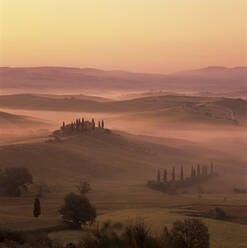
(13, 179)
(220, 213)
(190, 233)
(137, 234)
(36, 208)
(77, 210)
(16, 236)
(103, 236)
(21, 239)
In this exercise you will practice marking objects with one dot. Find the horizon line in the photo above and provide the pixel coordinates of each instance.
(124, 71)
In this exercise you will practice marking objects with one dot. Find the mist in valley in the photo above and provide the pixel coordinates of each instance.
(220, 139)
(123, 124)
(106, 158)
(144, 131)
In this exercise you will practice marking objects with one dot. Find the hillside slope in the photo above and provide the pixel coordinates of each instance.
(8, 121)
(201, 109)
(104, 156)
(91, 154)
(218, 112)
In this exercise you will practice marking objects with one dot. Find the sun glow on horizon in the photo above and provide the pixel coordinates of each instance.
(136, 35)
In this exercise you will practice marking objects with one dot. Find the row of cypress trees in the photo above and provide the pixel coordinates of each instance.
(81, 124)
(199, 171)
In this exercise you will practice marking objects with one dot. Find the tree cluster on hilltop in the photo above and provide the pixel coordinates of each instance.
(80, 125)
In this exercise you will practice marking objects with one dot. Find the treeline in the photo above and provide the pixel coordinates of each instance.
(198, 175)
(14, 180)
(190, 233)
(81, 125)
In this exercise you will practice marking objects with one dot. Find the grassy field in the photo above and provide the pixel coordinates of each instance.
(217, 108)
(155, 208)
(118, 165)
(223, 234)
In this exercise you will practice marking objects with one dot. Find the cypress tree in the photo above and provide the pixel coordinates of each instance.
(192, 171)
(198, 170)
(158, 176)
(76, 123)
(36, 208)
(182, 174)
(165, 176)
(82, 123)
(173, 174)
(102, 124)
(93, 123)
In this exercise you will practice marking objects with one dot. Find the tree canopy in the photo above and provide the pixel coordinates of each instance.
(190, 233)
(13, 179)
(77, 210)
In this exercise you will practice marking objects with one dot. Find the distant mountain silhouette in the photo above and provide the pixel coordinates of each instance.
(218, 72)
(210, 78)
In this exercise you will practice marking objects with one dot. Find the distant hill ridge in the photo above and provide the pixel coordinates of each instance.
(209, 78)
(207, 108)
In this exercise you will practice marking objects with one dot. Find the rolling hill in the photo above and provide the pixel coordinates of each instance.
(46, 78)
(177, 108)
(106, 156)
(117, 167)
(8, 121)
(217, 72)
(218, 112)
(79, 97)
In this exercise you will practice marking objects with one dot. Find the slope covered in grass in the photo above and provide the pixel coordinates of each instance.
(204, 113)
(195, 107)
(222, 234)
(101, 155)
(117, 167)
(96, 154)
(8, 120)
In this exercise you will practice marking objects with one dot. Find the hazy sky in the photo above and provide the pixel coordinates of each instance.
(136, 35)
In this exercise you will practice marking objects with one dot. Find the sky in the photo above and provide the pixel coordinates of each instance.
(161, 36)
